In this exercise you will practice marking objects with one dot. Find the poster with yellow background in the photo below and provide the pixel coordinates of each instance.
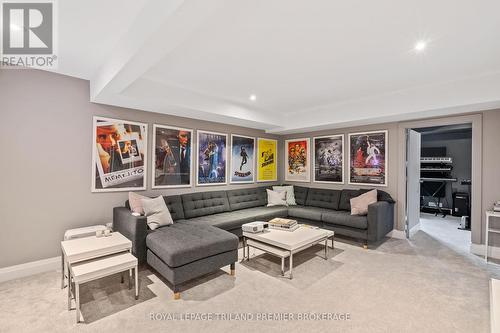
(267, 167)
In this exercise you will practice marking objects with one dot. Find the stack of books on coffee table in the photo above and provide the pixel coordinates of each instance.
(279, 223)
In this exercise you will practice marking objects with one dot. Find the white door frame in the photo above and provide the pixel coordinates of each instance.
(476, 175)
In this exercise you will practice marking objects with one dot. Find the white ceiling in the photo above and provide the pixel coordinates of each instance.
(312, 64)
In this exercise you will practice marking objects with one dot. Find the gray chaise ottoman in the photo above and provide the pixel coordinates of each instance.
(184, 251)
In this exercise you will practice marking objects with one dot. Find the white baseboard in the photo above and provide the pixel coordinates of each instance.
(399, 234)
(479, 249)
(415, 229)
(29, 268)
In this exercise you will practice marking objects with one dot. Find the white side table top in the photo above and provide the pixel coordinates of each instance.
(95, 269)
(91, 247)
(492, 213)
(290, 240)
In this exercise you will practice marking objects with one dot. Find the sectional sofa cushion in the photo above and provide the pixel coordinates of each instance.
(205, 203)
(234, 220)
(307, 212)
(174, 204)
(345, 199)
(323, 198)
(247, 198)
(345, 219)
(182, 243)
(300, 194)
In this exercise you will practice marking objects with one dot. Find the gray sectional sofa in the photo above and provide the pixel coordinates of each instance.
(204, 236)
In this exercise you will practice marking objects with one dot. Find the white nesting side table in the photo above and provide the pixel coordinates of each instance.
(489, 213)
(80, 249)
(78, 233)
(87, 248)
(98, 268)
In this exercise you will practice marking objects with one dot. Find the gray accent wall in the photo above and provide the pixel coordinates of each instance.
(46, 136)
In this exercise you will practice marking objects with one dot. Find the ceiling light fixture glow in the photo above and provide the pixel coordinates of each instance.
(420, 46)
(253, 98)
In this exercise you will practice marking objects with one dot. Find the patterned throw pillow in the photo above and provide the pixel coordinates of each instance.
(290, 194)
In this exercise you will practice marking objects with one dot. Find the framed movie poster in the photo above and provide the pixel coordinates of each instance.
(297, 164)
(118, 155)
(267, 164)
(328, 159)
(242, 159)
(368, 158)
(172, 157)
(211, 159)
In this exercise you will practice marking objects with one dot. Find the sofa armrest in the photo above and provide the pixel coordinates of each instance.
(134, 228)
(380, 220)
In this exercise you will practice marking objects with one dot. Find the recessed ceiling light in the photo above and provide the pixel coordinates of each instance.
(253, 98)
(420, 46)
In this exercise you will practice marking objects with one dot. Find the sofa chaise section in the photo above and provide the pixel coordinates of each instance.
(183, 251)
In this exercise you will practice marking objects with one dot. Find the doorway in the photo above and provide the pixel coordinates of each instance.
(439, 169)
(476, 196)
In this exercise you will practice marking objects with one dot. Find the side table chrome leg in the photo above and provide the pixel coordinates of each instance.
(282, 266)
(291, 265)
(244, 249)
(62, 270)
(326, 249)
(77, 302)
(69, 292)
(136, 282)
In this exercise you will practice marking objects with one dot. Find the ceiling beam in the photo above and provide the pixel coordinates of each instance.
(158, 30)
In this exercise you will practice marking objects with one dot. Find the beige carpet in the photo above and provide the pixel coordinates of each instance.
(400, 286)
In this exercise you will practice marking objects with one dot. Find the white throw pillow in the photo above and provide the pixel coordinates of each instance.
(157, 212)
(276, 198)
(290, 194)
(359, 204)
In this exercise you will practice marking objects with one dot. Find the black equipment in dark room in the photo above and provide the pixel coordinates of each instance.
(461, 204)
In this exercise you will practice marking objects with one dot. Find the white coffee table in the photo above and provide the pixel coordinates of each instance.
(284, 244)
